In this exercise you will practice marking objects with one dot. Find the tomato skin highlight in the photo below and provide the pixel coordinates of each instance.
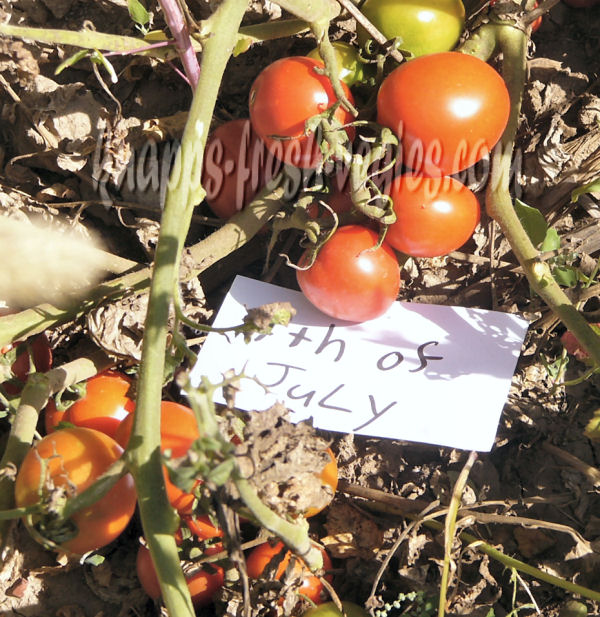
(282, 98)
(202, 584)
(260, 556)
(178, 430)
(77, 457)
(425, 27)
(434, 216)
(448, 109)
(236, 166)
(103, 407)
(350, 280)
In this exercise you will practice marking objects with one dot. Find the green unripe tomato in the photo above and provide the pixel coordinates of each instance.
(425, 26)
(329, 609)
(349, 63)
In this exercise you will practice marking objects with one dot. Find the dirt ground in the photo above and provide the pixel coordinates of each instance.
(542, 467)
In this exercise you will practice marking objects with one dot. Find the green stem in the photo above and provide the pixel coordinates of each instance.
(184, 192)
(327, 52)
(233, 235)
(295, 535)
(450, 528)
(311, 10)
(513, 44)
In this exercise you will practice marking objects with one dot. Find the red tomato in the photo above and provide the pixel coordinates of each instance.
(329, 477)
(74, 458)
(203, 584)
(203, 529)
(350, 279)
(103, 407)
(449, 110)
(236, 166)
(178, 430)
(434, 216)
(283, 97)
(311, 586)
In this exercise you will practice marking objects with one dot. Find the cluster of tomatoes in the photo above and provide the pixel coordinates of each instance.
(83, 441)
(447, 110)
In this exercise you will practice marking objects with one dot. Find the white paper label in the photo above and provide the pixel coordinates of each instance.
(424, 373)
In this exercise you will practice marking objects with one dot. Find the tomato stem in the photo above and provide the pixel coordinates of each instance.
(513, 44)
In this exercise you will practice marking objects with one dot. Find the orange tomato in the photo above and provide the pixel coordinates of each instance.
(74, 458)
(329, 477)
(178, 430)
(311, 585)
(103, 407)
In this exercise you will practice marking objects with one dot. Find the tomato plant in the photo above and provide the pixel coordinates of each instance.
(282, 98)
(351, 67)
(350, 279)
(449, 110)
(203, 583)
(535, 25)
(425, 27)
(260, 556)
(329, 609)
(72, 459)
(434, 216)
(201, 529)
(178, 430)
(104, 405)
(574, 347)
(236, 166)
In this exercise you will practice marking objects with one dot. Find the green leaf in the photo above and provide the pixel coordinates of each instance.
(551, 241)
(100, 59)
(533, 222)
(138, 12)
(590, 187)
(565, 276)
(71, 60)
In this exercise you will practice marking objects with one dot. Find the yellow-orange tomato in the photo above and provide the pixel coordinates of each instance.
(311, 585)
(178, 430)
(329, 477)
(74, 458)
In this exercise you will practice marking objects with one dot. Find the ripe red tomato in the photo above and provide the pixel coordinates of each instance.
(260, 556)
(425, 27)
(178, 430)
(350, 279)
(329, 477)
(73, 458)
(434, 216)
(449, 110)
(201, 528)
(203, 584)
(236, 166)
(283, 97)
(103, 407)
